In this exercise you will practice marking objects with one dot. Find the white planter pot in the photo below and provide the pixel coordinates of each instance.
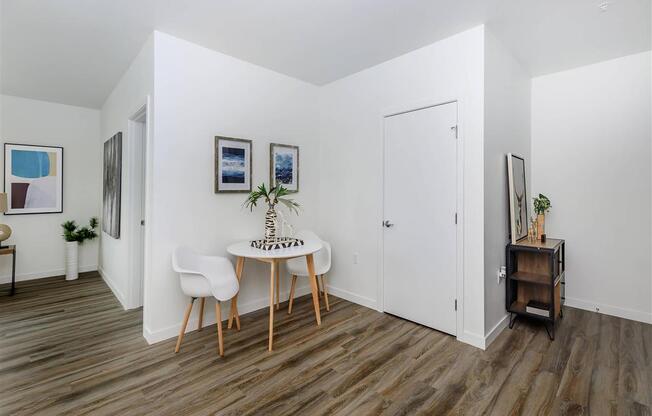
(72, 260)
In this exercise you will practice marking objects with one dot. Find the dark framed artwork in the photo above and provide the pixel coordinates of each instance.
(518, 202)
(232, 164)
(33, 179)
(112, 186)
(284, 166)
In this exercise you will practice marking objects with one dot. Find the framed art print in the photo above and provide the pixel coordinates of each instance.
(232, 165)
(112, 186)
(284, 166)
(33, 179)
(518, 202)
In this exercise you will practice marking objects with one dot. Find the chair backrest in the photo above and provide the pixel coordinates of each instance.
(185, 260)
(307, 235)
(323, 256)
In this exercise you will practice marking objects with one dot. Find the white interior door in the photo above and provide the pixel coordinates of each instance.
(420, 200)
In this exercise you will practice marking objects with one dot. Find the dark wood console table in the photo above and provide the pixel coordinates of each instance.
(536, 272)
(11, 250)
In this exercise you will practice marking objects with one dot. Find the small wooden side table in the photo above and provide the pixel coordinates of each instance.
(11, 250)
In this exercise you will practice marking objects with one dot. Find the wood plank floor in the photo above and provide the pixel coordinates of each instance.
(69, 348)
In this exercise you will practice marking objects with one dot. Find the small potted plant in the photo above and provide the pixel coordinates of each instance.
(272, 197)
(541, 206)
(74, 236)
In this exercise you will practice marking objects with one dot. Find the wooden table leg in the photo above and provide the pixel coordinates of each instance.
(278, 288)
(234, 302)
(272, 277)
(313, 286)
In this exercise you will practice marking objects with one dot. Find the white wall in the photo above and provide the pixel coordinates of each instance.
(592, 157)
(506, 129)
(351, 164)
(124, 101)
(199, 94)
(40, 248)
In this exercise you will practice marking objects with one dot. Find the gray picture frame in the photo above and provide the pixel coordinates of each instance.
(295, 173)
(222, 186)
(112, 186)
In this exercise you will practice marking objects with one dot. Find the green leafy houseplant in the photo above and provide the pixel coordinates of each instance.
(72, 232)
(272, 197)
(541, 204)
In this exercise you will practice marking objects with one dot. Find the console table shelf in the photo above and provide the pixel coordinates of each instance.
(536, 273)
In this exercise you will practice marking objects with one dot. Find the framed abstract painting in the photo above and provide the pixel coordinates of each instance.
(112, 186)
(232, 165)
(518, 202)
(33, 179)
(284, 166)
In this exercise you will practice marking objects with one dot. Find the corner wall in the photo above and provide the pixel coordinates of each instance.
(200, 94)
(591, 139)
(39, 244)
(506, 130)
(129, 95)
(351, 185)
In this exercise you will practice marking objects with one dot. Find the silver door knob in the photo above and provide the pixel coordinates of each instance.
(387, 224)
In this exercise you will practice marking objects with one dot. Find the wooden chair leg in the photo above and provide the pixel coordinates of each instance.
(218, 318)
(201, 314)
(323, 285)
(183, 325)
(291, 300)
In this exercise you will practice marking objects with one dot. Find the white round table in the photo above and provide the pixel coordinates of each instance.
(243, 250)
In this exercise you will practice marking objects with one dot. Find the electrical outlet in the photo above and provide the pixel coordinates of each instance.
(502, 273)
(355, 258)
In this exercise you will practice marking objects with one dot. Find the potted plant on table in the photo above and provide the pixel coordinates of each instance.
(272, 197)
(74, 236)
(541, 206)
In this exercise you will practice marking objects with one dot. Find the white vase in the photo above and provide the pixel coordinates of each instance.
(72, 260)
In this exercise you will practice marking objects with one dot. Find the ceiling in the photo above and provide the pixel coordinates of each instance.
(75, 51)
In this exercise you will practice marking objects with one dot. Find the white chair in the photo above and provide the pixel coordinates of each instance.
(203, 276)
(298, 266)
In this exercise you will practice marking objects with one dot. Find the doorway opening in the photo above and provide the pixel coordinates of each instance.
(137, 168)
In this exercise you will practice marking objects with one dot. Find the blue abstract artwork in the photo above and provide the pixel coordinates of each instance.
(33, 178)
(30, 164)
(283, 168)
(233, 165)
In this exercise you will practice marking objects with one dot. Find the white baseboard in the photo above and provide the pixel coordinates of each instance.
(472, 339)
(625, 313)
(159, 335)
(352, 297)
(111, 284)
(21, 277)
(495, 331)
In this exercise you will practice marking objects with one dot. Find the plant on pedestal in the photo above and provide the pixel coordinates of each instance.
(74, 236)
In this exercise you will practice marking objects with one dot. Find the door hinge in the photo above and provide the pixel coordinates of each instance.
(454, 128)
(456, 218)
(455, 304)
